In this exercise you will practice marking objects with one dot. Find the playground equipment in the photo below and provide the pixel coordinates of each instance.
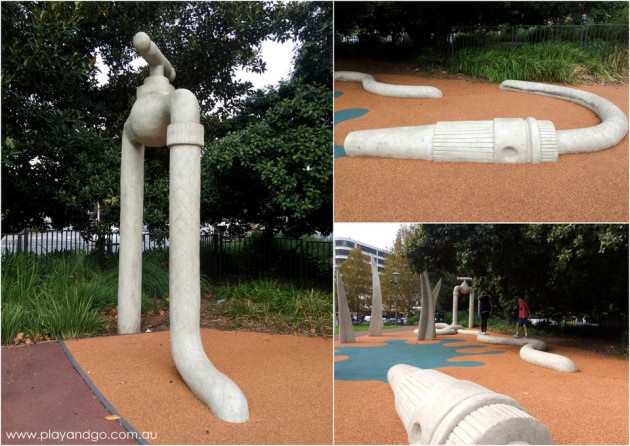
(533, 351)
(464, 288)
(502, 140)
(398, 91)
(376, 321)
(438, 409)
(163, 116)
(346, 331)
(426, 324)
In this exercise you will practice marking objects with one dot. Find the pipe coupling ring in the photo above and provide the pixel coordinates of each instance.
(188, 133)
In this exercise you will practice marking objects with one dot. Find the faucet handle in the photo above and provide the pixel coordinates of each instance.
(152, 54)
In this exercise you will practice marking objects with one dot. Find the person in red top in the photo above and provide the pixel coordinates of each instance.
(523, 315)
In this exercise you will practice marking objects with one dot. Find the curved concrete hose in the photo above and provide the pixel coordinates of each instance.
(605, 135)
(502, 140)
(533, 350)
(397, 91)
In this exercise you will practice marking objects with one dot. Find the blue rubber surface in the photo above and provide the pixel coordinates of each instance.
(372, 363)
(344, 115)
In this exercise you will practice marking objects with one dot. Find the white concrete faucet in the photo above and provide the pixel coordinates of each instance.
(163, 116)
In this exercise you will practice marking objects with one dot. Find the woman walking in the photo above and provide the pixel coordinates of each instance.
(485, 310)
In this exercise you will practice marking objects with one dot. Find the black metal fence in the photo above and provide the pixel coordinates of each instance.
(48, 242)
(582, 35)
(221, 257)
(301, 260)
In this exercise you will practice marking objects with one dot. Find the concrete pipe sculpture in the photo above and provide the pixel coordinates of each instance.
(533, 351)
(426, 325)
(464, 288)
(163, 116)
(382, 89)
(438, 409)
(376, 315)
(502, 140)
(346, 330)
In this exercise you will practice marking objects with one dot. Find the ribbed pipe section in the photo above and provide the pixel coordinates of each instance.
(471, 141)
(438, 409)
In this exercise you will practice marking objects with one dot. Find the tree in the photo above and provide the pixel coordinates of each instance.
(408, 280)
(357, 279)
(428, 23)
(61, 129)
(563, 269)
(46, 116)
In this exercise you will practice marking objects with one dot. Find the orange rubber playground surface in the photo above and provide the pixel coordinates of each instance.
(589, 187)
(587, 407)
(287, 381)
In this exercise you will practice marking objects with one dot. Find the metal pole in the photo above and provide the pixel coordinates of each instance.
(396, 303)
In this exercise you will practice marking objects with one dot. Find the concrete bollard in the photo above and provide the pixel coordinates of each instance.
(438, 409)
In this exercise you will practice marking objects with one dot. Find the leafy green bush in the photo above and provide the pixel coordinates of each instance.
(541, 62)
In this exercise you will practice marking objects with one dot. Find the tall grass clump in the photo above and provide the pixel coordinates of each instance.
(41, 296)
(280, 306)
(541, 62)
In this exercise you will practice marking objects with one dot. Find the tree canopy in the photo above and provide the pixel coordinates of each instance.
(564, 269)
(62, 129)
(428, 23)
(356, 274)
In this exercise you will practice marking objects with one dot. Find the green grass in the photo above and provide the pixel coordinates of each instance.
(362, 328)
(59, 296)
(542, 62)
(285, 307)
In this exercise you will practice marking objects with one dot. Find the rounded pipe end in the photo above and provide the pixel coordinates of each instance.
(142, 42)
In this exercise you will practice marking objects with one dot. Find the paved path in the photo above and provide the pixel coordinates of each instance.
(45, 397)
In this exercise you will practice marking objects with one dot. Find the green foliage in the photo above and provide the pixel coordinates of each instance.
(286, 155)
(61, 129)
(408, 287)
(69, 315)
(564, 270)
(259, 255)
(428, 24)
(542, 62)
(60, 295)
(357, 279)
(45, 297)
(279, 305)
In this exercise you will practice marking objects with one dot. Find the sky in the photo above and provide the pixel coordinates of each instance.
(278, 58)
(381, 235)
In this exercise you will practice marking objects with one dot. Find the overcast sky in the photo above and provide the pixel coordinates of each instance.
(381, 235)
(278, 58)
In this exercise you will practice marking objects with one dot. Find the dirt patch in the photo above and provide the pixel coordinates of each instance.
(212, 315)
(590, 187)
(587, 407)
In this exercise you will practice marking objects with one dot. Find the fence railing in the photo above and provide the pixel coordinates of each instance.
(252, 256)
(221, 257)
(583, 35)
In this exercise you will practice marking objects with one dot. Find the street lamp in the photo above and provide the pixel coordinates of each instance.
(396, 274)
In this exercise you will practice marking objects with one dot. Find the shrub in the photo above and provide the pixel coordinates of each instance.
(541, 62)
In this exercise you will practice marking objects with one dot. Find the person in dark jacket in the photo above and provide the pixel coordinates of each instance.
(484, 309)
